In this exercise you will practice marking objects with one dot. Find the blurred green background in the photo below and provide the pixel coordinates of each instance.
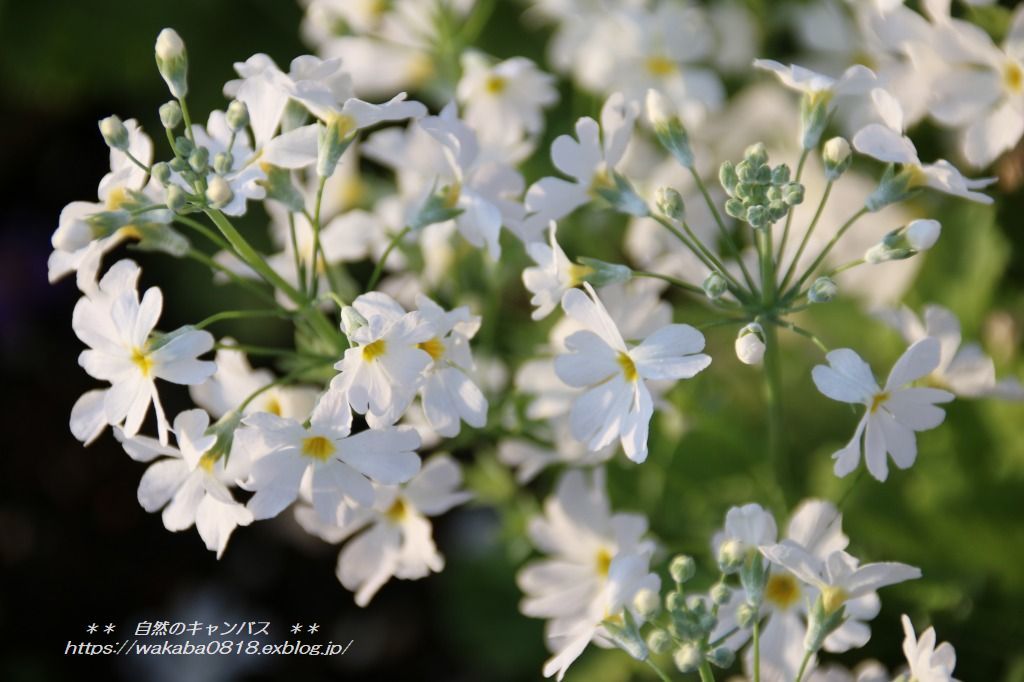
(76, 548)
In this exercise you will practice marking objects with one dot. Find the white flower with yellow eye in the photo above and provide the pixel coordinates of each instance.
(382, 371)
(617, 403)
(189, 482)
(553, 275)
(598, 561)
(893, 413)
(122, 350)
(244, 178)
(338, 466)
(393, 538)
(928, 663)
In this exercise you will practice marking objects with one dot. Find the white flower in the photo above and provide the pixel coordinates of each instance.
(617, 402)
(241, 182)
(981, 89)
(339, 465)
(393, 538)
(189, 482)
(855, 80)
(587, 159)
(887, 142)
(553, 276)
(382, 371)
(928, 663)
(893, 413)
(599, 561)
(118, 331)
(504, 102)
(749, 344)
(838, 577)
(449, 395)
(235, 380)
(963, 369)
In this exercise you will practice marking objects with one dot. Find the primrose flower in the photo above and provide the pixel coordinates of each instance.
(928, 663)
(893, 413)
(617, 403)
(553, 275)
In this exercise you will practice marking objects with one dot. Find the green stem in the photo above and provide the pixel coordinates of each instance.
(807, 237)
(285, 379)
(379, 269)
(300, 267)
(803, 332)
(705, 672)
(757, 626)
(203, 230)
(659, 671)
(803, 666)
(317, 249)
(250, 285)
(186, 118)
(789, 218)
(685, 286)
(733, 249)
(704, 254)
(847, 266)
(773, 402)
(239, 315)
(824, 252)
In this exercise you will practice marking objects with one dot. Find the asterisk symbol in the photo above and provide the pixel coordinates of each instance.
(91, 629)
(108, 628)
(313, 628)
(297, 628)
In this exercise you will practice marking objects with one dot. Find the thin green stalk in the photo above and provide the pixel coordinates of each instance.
(705, 672)
(803, 666)
(824, 252)
(248, 284)
(300, 267)
(659, 671)
(733, 249)
(131, 157)
(379, 269)
(772, 365)
(789, 218)
(704, 255)
(241, 314)
(807, 237)
(284, 379)
(804, 332)
(186, 118)
(847, 266)
(316, 237)
(757, 637)
(685, 286)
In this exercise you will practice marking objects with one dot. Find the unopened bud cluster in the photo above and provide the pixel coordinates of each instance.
(758, 193)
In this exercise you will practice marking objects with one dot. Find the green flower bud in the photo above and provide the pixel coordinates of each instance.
(756, 154)
(675, 602)
(780, 174)
(746, 172)
(735, 209)
(223, 162)
(179, 164)
(714, 287)
(623, 197)
(114, 133)
(600, 274)
(688, 658)
(722, 657)
(351, 320)
(823, 290)
(646, 603)
(670, 203)
(183, 146)
(669, 128)
(175, 198)
(161, 172)
(334, 139)
(727, 177)
(170, 114)
(754, 577)
(730, 556)
(172, 62)
(199, 160)
(682, 568)
(720, 593)
(746, 615)
(659, 641)
(837, 157)
(237, 115)
(757, 216)
(793, 194)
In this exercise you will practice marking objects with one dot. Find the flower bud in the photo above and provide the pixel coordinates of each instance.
(780, 175)
(687, 658)
(823, 290)
(837, 157)
(727, 177)
(351, 320)
(223, 162)
(675, 602)
(183, 145)
(750, 344)
(334, 139)
(237, 115)
(172, 61)
(793, 194)
(722, 657)
(746, 615)
(646, 603)
(199, 160)
(892, 188)
(600, 273)
(659, 641)
(757, 216)
(669, 128)
(623, 197)
(682, 568)
(922, 234)
(813, 118)
(756, 154)
(170, 114)
(715, 286)
(730, 556)
(175, 198)
(670, 203)
(161, 172)
(218, 192)
(720, 593)
(114, 133)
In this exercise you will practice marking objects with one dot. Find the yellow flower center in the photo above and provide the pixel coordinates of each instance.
(833, 598)
(450, 194)
(628, 366)
(273, 406)
(577, 273)
(603, 560)
(398, 510)
(207, 461)
(434, 348)
(317, 447)
(1013, 77)
(916, 176)
(495, 85)
(142, 360)
(130, 232)
(660, 66)
(878, 400)
(116, 198)
(341, 125)
(782, 590)
(372, 351)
